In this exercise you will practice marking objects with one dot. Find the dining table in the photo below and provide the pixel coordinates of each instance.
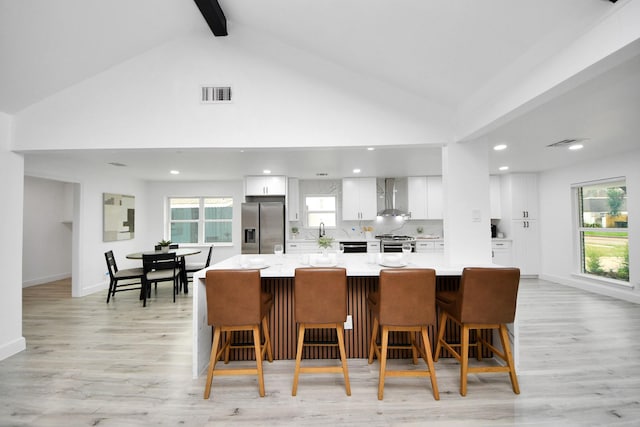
(181, 253)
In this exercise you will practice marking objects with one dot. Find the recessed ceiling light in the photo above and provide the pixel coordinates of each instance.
(174, 172)
(576, 147)
(356, 171)
(500, 147)
(503, 168)
(370, 148)
(266, 171)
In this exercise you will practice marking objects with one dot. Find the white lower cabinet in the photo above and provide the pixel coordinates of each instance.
(429, 246)
(305, 247)
(526, 247)
(373, 246)
(501, 253)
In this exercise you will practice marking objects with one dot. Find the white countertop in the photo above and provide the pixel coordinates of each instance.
(357, 264)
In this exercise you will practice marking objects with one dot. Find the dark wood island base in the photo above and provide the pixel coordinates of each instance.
(282, 325)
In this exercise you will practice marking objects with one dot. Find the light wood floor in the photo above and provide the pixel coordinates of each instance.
(88, 363)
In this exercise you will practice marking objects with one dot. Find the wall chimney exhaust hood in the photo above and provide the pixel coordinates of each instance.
(390, 200)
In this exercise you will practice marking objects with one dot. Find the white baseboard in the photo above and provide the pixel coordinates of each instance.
(98, 287)
(13, 347)
(46, 279)
(596, 288)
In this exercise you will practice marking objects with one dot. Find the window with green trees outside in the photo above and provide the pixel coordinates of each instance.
(602, 229)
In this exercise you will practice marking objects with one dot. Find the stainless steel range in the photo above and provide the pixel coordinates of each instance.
(393, 242)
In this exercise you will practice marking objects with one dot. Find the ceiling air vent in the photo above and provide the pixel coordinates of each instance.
(216, 94)
(567, 142)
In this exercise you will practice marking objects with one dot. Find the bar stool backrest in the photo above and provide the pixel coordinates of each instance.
(488, 295)
(407, 297)
(233, 297)
(320, 295)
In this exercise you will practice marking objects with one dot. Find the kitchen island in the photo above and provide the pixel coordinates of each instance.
(277, 277)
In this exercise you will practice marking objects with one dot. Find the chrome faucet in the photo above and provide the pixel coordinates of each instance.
(321, 230)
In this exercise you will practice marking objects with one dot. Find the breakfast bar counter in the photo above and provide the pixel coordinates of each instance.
(277, 274)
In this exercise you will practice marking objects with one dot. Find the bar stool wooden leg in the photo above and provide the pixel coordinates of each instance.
(429, 360)
(296, 372)
(414, 347)
(256, 342)
(343, 357)
(383, 361)
(464, 359)
(442, 324)
(372, 342)
(504, 339)
(212, 362)
(267, 339)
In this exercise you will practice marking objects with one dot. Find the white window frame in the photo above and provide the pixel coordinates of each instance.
(201, 221)
(334, 212)
(579, 229)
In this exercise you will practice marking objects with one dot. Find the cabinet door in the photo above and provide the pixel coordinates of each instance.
(501, 253)
(265, 186)
(293, 197)
(526, 246)
(422, 247)
(524, 196)
(359, 199)
(254, 186)
(350, 200)
(417, 189)
(494, 197)
(368, 201)
(434, 197)
(275, 185)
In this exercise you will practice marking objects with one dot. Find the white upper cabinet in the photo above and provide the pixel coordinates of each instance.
(494, 197)
(359, 199)
(265, 185)
(434, 197)
(294, 199)
(523, 192)
(417, 204)
(425, 197)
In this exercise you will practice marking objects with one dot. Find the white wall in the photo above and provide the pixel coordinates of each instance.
(557, 221)
(157, 193)
(88, 264)
(11, 173)
(47, 234)
(153, 101)
(467, 214)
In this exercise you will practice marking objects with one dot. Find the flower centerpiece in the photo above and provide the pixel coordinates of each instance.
(164, 245)
(295, 231)
(419, 230)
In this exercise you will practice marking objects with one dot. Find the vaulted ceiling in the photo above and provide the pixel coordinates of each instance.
(449, 53)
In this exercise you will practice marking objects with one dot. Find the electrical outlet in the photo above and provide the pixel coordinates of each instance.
(349, 323)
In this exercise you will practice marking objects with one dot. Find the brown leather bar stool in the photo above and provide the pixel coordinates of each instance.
(486, 300)
(405, 301)
(320, 299)
(236, 302)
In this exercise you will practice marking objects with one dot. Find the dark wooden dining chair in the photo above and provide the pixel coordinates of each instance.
(160, 268)
(191, 268)
(129, 279)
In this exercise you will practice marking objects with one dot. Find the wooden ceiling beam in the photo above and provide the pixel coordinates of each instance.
(213, 14)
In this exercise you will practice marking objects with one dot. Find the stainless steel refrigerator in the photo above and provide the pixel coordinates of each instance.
(262, 227)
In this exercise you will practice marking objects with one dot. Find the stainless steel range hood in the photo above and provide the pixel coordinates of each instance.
(390, 200)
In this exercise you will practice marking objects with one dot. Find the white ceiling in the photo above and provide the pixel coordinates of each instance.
(444, 51)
